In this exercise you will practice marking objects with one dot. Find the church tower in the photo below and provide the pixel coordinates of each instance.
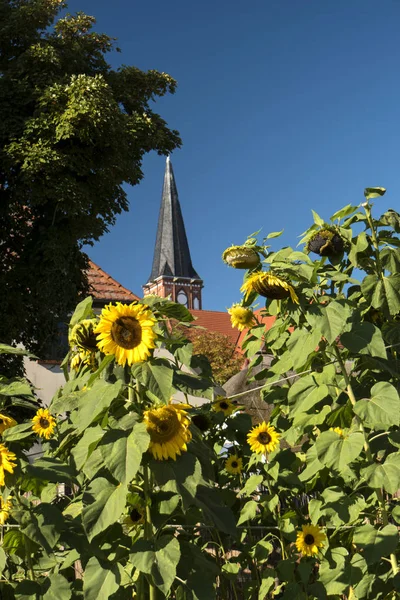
(172, 273)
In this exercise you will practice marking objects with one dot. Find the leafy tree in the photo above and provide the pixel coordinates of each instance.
(72, 132)
(221, 352)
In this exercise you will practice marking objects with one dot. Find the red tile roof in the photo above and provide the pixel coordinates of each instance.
(221, 322)
(216, 321)
(106, 289)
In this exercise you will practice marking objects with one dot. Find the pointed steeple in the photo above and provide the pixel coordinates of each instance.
(171, 254)
(172, 274)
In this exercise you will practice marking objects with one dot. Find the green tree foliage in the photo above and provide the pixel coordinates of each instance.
(224, 359)
(72, 132)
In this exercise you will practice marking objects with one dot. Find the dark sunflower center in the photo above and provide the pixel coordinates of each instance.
(264, 437)
(164, 427)
(234, 464)
(44, 423)
(309, 539)
(224, 405)
(126, 332)
(135, 515)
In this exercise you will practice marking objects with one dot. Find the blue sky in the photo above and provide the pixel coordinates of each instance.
(282, 105)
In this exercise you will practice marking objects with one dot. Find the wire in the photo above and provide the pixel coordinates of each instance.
(262, 387)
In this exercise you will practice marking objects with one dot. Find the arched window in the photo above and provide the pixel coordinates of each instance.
(196, 303)
(182, 298)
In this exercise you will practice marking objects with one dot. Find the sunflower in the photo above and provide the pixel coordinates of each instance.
(263, 438)
(269, 286)
(202, 421)
(234, 465)
(326, 242)
(6, 422)
(6, 464)
(5, 507)
(168, 427)
(337, 430)
(127, 332)
(82, 335)
(43, 423)
(134, 517)
(224, 405)
(310, 539)
(241, 317)
(241, 257)
(84, 358)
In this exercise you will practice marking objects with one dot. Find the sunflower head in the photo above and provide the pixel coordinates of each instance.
(241, 257)
(202, 421)
(6, 462)
(43, 423)
(268, 285)
(6, 422)
(337, 430)
(5, 508)
(82, 335)
(310, 539)
(234, 465)
(134, 517)
(263, 438)
(241, 317)
(84, 358)
(127, 332)
(326, 242)
(225, 405)
(168, 427)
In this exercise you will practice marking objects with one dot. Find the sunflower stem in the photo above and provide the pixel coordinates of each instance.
(367, 449)
(367, 208)
(148, 524)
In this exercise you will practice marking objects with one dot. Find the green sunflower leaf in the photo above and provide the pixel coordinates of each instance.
(101, 579)
(248, 512)
(382, 409)
(386, 475)
(156, 376)
(157, 558)
(103, 505)
(95, 402)
(56, 587)
(364, 338)
(83, 310)
(6, 349)
(338, 452)
(376, 543)
(122, 451)
(374, 192)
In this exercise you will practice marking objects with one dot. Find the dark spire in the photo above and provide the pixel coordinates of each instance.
(171, 254)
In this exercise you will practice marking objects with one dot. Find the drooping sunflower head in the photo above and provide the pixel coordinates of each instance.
(6, 422)
(84, 358)
(241, 317)
(241, 257)
(43, 423)
(269, 285)
(6, 462)
(326, 242)
(168, 427)
(82, 335)
(127, 332)
(234, 465)
(337, 430)
(5, 508)
(310, 539)
(263, 438)
(225, 405)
